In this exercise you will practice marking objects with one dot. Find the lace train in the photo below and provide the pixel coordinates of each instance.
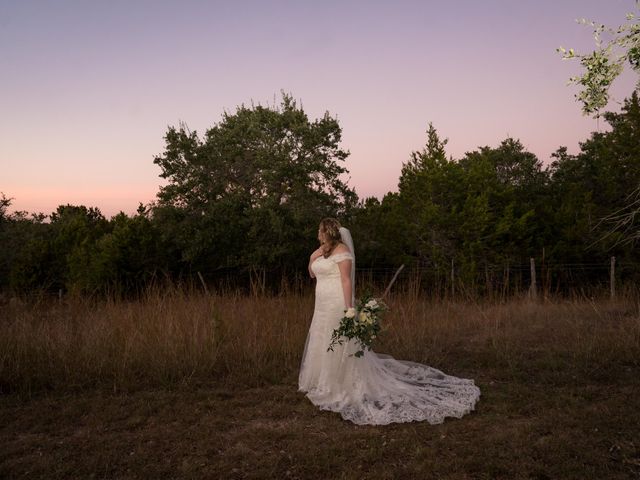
(404, 391)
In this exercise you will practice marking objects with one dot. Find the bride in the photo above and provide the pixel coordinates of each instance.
(374, 389)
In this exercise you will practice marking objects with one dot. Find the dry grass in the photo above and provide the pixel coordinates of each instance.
(168, 338)
(177, 338)
(185, 385)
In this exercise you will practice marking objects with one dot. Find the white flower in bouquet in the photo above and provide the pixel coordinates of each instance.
(362, 323)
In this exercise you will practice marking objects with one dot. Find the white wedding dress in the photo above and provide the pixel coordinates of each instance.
(374, 389)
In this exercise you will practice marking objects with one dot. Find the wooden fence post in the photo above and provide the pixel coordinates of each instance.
(453, 280)
(533, 290)
(612, 277)
(204, 285)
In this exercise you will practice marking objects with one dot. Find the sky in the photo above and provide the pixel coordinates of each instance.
(88, 88)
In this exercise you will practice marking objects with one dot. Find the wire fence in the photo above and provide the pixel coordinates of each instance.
(439, 281)
(445, 280)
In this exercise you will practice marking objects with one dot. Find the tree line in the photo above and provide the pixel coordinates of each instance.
(245, 198)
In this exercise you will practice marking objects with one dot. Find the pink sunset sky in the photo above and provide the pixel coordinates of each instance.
(89, 88)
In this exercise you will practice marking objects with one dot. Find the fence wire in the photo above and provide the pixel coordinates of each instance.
(493, 280)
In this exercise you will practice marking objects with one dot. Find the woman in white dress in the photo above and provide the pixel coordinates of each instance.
(374, 389)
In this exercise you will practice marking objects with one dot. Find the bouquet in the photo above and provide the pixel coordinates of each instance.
(362, 323)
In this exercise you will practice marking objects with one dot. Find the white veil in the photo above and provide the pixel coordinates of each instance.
(345, 235)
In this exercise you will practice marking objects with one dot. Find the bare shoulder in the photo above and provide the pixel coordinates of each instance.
(340, 248)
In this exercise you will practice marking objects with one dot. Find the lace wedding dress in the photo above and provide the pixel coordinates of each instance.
(374, 389)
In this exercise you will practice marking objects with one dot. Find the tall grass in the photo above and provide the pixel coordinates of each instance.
(181, 336)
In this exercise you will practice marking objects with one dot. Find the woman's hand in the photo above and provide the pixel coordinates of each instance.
(350, 312)
(316, 253)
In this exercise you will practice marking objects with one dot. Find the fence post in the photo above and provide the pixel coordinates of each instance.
(533, 291)
(505, 280)
(612, 277)
(453, 280)
(204, 285)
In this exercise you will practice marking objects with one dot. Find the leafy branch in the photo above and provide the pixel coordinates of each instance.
(603, 65)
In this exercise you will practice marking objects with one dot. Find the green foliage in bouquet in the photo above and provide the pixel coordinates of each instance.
(362, 323)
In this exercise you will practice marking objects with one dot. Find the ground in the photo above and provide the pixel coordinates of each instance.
(194, 387)
(518, 430)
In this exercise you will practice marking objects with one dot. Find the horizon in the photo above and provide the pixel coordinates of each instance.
(91, 89)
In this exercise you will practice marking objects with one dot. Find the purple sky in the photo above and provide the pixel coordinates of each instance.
(88, 88)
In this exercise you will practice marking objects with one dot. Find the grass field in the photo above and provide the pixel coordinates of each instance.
(185, 385)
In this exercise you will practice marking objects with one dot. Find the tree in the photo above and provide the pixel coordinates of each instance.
(604, 64)
(600, 69)
(5, 203)
(380, 228)
(58, 255)
(602, 181)
(505, 190)
(252, 190)
(484, 209)
(127, 257)
(18, 230)
(427, 197)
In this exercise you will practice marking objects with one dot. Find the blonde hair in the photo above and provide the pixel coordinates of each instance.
(330, 228)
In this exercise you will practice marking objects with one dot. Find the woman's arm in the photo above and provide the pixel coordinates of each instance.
(345, 278)
(312, 258)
